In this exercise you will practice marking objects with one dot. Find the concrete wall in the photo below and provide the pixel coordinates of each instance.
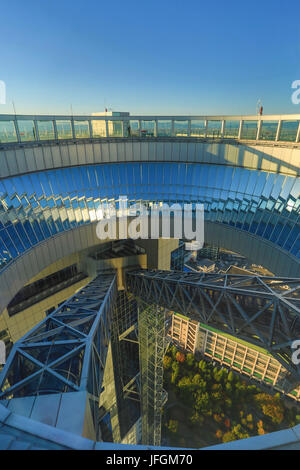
(278, 158)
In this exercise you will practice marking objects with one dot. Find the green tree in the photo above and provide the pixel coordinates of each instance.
(172, 426)
(190, 360)
(231, 377)
(167, 362)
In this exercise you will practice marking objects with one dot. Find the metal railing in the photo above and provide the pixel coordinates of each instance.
(44, 128)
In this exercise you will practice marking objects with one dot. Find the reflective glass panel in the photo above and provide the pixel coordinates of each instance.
(231, 128)
(288, 131)
(134, 128)
(180, 128)
(46, 130)
(98, 128)
(214, 128)
(268, 130)
(164, 128)
(7, 131)
(115, 128)
(81, 129)
(147, 128)
(249, 130)
(64, 129)
(197, 128)
(27, 130)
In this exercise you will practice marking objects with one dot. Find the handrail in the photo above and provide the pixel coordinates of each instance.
(22, 128)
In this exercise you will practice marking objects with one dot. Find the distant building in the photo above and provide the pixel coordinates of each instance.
(114, 127)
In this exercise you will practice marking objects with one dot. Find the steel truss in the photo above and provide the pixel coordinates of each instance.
(262, 310)
(67, 351)
(151, 321)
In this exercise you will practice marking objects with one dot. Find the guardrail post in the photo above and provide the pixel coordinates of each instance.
(240, 130)
(90, 128)
(189, 127)
(258, 129)
(17, 130)
(73, 128)
(55, 129)
(278, 130)
(36, 130)
(222, 127)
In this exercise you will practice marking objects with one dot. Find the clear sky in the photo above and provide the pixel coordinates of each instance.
(155, 57)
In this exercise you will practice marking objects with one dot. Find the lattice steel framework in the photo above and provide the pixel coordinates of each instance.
(67, 351)
(125, 353)
(264, 311)
(151, 321)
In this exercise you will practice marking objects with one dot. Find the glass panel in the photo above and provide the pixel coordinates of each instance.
(7, 131)
(27, 130)
(180, 128)
(268, 130)
(64, 129)
(231, 128)
(164, 128)
(198, 128)
(214, 129)
(147, 129)
(288, 131)
(98, 128)
(134, 129)
(115, 128)
(81, 129)
(249, 130)
(46, 130)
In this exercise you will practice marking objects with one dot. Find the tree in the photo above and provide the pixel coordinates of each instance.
(174, 376)
(219, 434)
(167, 362)
(190, 360)
(271, 406)
(196, 418)
(172, 426)
(231, 377)
(180, 357)
(173, 351)
(202, 366)
(235, 433)
(227, 423)
(202, 403)
(218, 418)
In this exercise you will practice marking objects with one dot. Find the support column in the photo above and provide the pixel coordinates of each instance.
(151, 324)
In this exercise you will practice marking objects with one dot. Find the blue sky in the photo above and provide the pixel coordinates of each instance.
(155, 57)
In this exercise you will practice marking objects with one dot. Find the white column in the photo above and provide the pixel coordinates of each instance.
(205, 128)
(240, 130)
(222, 128)
(278, 130)
(258, 129)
